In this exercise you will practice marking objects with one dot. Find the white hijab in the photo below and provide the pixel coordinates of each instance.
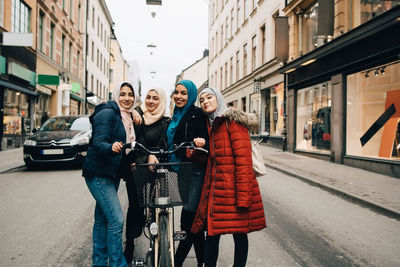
(221, 108)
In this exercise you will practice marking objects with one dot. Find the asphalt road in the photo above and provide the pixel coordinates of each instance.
(46, 219)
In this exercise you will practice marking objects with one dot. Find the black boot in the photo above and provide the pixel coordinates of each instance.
(128, 252)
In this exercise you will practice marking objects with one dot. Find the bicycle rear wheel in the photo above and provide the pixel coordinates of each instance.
(164, 249)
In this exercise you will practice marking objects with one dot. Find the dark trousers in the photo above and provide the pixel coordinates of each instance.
(212, 249)
(184, 246)
(135, 220)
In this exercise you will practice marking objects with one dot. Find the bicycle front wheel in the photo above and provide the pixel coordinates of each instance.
(164, 250)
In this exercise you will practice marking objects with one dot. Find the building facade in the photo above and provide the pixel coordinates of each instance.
(17, 71)
(98, 34)
(118, 65)
(343, 82)
(60, 58)
(244, 59)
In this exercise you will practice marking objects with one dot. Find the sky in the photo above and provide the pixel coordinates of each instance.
(179, 30)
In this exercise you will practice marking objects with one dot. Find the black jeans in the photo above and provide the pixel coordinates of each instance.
(212, 247)
(184, 246)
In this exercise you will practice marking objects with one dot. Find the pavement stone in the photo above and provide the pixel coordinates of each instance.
(376, 191)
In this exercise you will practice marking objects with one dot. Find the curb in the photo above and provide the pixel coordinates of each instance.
(336, 191)
(11, 168)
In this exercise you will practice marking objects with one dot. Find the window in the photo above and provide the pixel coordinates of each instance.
(244, 104)
(78, 62)
(273, 112)
(71, 9)
(212, 50)
(255, 4)
(97, 88)
(365, 10)
(216, 43)
(21, 17)
(370, 93)
(92, 83)
(93, 17)
(101, 62)
(70, 56)
(244, 60)
(52, 27)
(92, 51)
(97, 59)
(309, 24)
(101, 32)
(222, 37)
(245, 9)
(63, 4)
(226, 74)
(231, 71)
(226, 30)
(237, 65)
(41, 22)
(221, 74)
(98, 26)
(79, 17)
(232, 18)
(62, 50)
(238, 14)
(254, 52)
(262, 44)
(313, 127)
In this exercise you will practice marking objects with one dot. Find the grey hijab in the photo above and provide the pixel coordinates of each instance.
(221, 108)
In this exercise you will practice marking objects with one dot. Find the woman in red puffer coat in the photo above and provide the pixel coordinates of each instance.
(230, 200)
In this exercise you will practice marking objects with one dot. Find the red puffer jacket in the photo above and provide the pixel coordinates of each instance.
(230, 200)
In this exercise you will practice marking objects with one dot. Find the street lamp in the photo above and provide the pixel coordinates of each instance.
(153, 5)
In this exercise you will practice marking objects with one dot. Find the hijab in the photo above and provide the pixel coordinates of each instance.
(221, 105)
(125, 113)
(180, 112)
(158, 113)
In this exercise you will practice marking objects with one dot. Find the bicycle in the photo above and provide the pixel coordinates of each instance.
(160, 187)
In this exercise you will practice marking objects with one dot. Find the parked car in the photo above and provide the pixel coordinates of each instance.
(60, 139)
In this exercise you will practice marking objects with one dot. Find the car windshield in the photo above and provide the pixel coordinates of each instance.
(66, 124)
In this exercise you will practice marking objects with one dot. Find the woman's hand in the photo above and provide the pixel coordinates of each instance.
(137, 119)
(199, 142)
(152, 160)
(117, 147)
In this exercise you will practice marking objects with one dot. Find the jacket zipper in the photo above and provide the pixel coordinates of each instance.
(215, 173)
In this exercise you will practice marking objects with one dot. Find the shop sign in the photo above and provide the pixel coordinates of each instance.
(22, 72)
(17, 39)
(48, 79)
(43, 90)
(3, 62)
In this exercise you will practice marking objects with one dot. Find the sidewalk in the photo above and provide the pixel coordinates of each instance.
(11, 159)
(377, 191)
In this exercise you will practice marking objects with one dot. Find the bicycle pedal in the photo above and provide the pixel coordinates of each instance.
(179, 235)
(138, 262)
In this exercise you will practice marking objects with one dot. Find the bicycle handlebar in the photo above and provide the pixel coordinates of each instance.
(138, 146)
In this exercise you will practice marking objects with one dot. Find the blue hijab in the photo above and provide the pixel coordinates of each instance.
(179, 113)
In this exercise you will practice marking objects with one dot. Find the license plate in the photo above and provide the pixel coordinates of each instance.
(52, 151)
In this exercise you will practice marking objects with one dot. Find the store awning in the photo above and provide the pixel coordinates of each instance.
(77, 98)
(18, 88)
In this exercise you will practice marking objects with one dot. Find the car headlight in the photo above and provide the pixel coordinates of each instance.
(29, 142)
(82, 139)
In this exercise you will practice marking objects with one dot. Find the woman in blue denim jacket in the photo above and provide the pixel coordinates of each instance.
(104, 165)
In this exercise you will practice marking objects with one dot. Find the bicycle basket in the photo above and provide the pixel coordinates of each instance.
(166, 185)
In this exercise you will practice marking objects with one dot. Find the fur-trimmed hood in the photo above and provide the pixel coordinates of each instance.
(249, 120)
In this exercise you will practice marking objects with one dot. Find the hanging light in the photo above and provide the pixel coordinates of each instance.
(152, 48)
(367, 74)
(376, 72)
(153, 6)
(383, 70)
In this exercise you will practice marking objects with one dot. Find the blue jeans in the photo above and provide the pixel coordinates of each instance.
(108, 222)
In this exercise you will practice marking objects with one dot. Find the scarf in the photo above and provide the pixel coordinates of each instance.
(179, 113)
(221, 108)
(126, 114)
(158, 113)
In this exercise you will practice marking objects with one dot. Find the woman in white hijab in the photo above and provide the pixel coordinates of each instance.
(151, 134)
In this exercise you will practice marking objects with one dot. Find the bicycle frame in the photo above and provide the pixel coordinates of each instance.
(157, 192)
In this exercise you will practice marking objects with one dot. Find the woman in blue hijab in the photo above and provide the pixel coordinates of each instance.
(188, 124)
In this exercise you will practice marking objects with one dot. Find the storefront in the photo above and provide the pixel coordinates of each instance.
(18, 115)
(272, 114)
(343, 99)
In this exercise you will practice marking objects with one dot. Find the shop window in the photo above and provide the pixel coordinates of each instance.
(313, 121)
(274, 110)
(16, 113)
(372, 128)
